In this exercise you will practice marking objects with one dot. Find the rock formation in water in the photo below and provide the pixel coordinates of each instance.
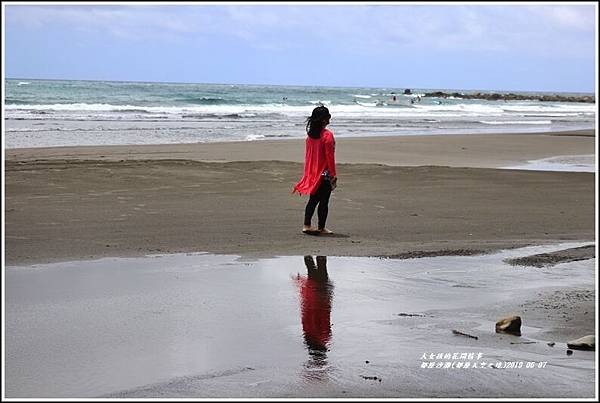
(514, 97)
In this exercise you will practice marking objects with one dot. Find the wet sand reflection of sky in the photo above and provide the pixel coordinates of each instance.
(194, 325)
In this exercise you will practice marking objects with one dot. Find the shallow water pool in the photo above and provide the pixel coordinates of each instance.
(202, 325)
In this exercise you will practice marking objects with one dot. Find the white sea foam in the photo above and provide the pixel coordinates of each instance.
(516, 122)
(360, 109)
(551, 107)
(84, 107)
(34, 129)
(362, 96)
(477, 109)
(253, 137)
(550, 115)
(571, 163)
(465, 108)
(366, 103)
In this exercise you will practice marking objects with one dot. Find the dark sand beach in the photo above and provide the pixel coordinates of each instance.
(398, 198)
(395, 195)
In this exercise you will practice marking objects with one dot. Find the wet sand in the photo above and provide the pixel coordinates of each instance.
(81, 203)
(549, 259)
(473, 150)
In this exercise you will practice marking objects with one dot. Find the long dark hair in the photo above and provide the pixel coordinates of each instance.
(316, 122)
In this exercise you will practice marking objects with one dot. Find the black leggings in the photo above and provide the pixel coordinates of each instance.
(321, 197)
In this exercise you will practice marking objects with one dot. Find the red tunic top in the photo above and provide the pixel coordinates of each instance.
(320, 155)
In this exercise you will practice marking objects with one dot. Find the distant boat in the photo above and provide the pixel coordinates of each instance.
(23, 83)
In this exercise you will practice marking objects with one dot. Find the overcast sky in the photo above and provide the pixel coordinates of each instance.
(548, 47)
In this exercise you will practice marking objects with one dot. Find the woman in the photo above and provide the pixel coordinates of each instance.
(319, 170)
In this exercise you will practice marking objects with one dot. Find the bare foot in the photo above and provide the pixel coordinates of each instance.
(307, 229)
(325, 231)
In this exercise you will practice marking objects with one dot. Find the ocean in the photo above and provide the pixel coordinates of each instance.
(47, 113)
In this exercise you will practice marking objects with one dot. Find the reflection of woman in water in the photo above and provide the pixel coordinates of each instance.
(316, 292)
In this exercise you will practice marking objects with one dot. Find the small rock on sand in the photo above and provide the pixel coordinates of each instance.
(509, 324)
(584, 343)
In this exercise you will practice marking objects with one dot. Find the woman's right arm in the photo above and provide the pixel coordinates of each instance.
(330, 155)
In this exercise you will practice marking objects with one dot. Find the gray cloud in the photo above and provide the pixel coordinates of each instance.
(543, 29)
